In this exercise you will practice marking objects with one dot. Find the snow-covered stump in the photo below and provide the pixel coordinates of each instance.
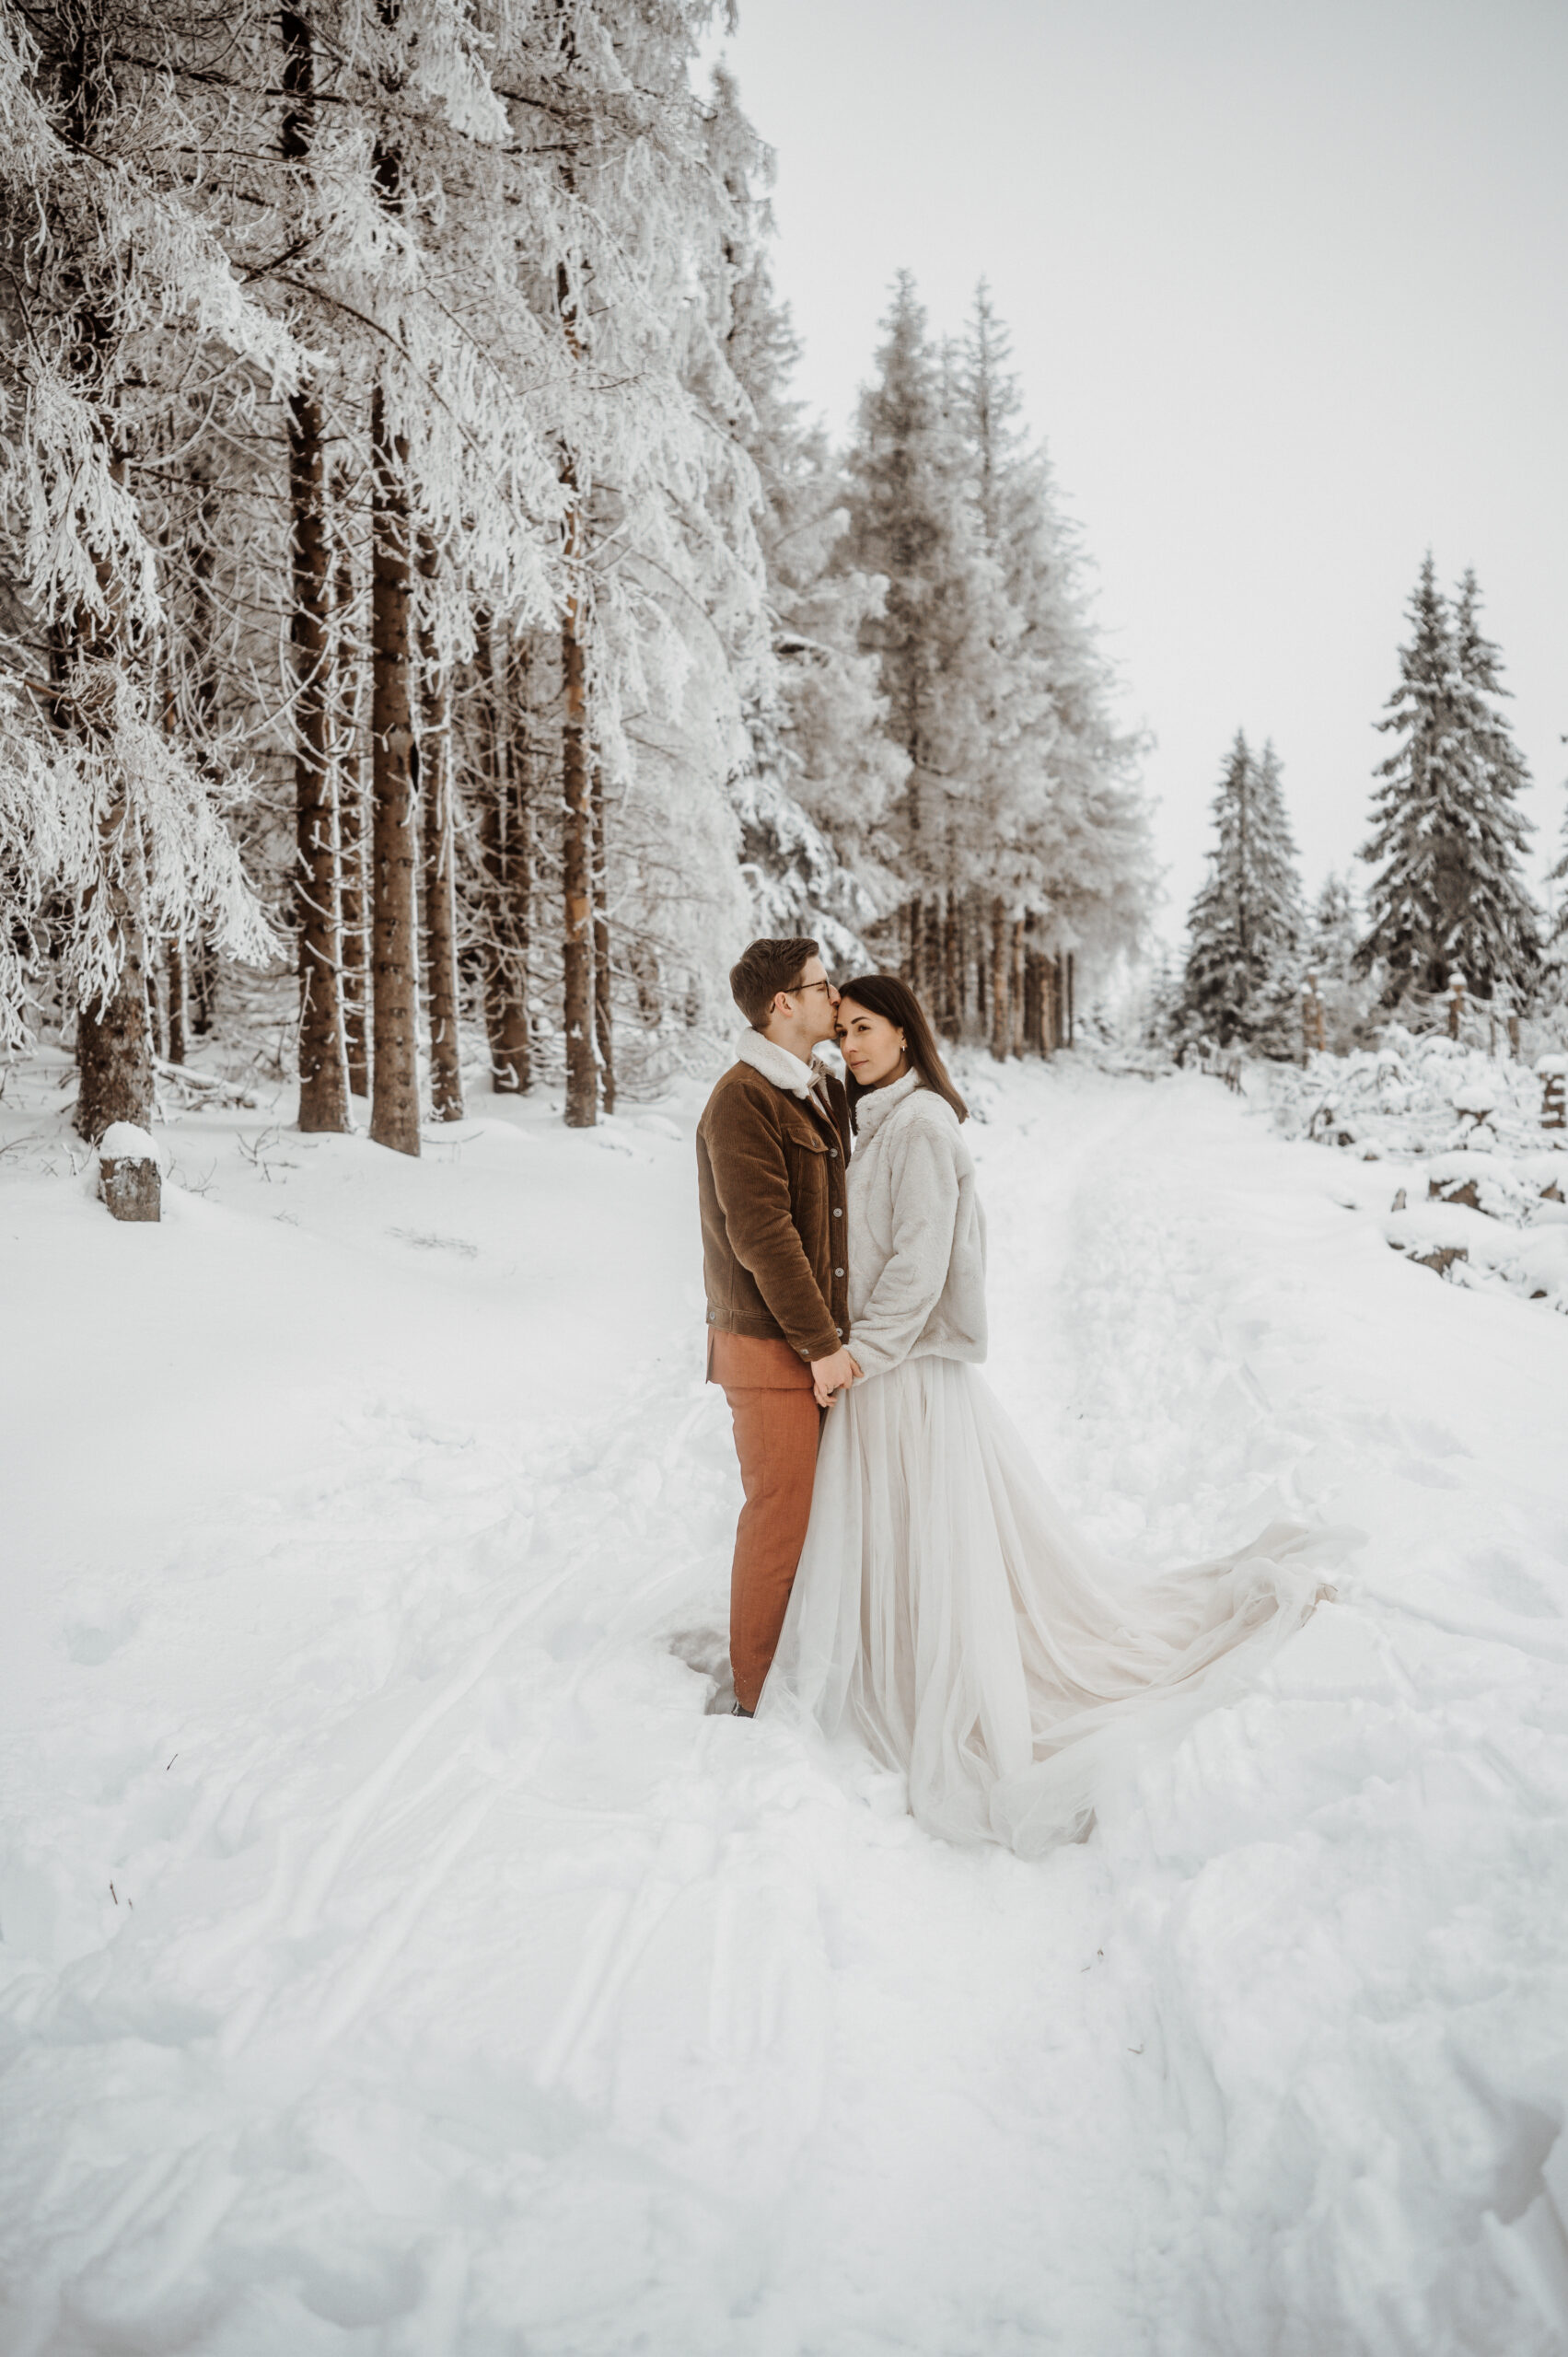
(129, 1180)
(1553, 1073)
(1456, 1002)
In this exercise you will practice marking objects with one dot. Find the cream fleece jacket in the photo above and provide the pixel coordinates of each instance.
(916, 1233)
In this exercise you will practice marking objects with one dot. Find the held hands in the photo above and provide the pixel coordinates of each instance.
(831, 1376)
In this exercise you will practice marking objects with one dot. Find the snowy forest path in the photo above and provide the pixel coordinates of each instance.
(455, 1978)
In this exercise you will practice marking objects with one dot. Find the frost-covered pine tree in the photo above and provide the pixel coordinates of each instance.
(1247, 924)
(1448, 837)
(1332, 936)
(814, 795)
(1554, 953)
(1064, 825)
(944, 619)
(114, 834)
(1334, 930)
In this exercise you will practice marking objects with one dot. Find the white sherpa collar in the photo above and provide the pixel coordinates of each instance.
(873, 1109)
(776, 1063)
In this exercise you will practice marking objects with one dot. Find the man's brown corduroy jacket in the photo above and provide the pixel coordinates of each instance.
(771, 1180)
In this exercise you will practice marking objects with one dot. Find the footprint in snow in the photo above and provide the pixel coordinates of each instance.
(426, 1240)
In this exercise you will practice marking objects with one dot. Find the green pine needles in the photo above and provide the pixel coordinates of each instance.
(1448, 837)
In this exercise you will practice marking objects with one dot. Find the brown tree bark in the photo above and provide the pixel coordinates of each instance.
(952, 993)
(604, 1009)
(203, 989)
(323, 1059)
(353, 927)
(505, 838)
(176, 1001)
(394, 772)
(643, 959)
(1072, 983)
(915, 951)
(323, 1054)
(114, 1037)
(1000, 970)
(1016, 983)
(440, 885)
(114, 1044)
(576, 863)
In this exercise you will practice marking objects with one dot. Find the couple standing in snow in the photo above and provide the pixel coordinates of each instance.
(901, 1573)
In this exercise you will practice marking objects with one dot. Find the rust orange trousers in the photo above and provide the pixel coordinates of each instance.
(777, 1427)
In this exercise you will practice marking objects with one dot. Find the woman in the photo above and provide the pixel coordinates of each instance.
(944, 1609)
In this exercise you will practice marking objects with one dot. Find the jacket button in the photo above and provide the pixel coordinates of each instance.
(832, 1154)
(837, 1213)
(839, 1332)
(838, 1272)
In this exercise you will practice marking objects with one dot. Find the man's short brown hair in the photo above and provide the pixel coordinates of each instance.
(767, 967)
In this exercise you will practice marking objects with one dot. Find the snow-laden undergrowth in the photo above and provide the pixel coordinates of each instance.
(1480, 1179)
(394, 1956)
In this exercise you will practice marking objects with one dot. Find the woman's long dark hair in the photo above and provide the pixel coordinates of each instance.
(885, 994)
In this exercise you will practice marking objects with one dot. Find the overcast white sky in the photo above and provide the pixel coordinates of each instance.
(1287, 282)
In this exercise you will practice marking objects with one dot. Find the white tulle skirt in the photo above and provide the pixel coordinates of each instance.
(947, 1613)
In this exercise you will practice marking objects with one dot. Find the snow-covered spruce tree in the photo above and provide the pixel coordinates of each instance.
(1558, 951)
(813, 797)
(679, 643)
(526, 248)
(943, 625)
(1247, 926)
(1333, 929)
(1333, 934)
(1062, 848)
(113, 835)
(1448, 837)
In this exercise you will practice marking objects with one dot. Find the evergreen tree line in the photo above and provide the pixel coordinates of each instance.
(1447, 894)
(411, 554)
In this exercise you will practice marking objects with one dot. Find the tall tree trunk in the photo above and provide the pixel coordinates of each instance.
(604, 1009)
(1001, 967)
(352, 894)
(323, 1059)
(952, 995)
(581, 1077)
(981, 960)
(505, 837)
(202, 991)
(394, 1104)
(114, 1044)
(114, 1035)
(89, 656)
(176, 966)
(642, 959)
(1072, 983)
(1016, 986)
(440, 885)
(323, 1054)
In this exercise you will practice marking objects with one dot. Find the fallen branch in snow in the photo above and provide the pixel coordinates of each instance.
(193, 1088)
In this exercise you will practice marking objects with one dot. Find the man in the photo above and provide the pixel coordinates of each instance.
(771, 1147)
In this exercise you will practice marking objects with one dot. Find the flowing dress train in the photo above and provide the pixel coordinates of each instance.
(947, 1611)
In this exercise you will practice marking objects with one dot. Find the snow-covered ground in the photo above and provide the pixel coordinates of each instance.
(395, 1958)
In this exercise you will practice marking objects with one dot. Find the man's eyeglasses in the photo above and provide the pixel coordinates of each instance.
(803, 987)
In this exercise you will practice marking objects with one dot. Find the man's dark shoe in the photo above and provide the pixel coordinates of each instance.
(739, 1710)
